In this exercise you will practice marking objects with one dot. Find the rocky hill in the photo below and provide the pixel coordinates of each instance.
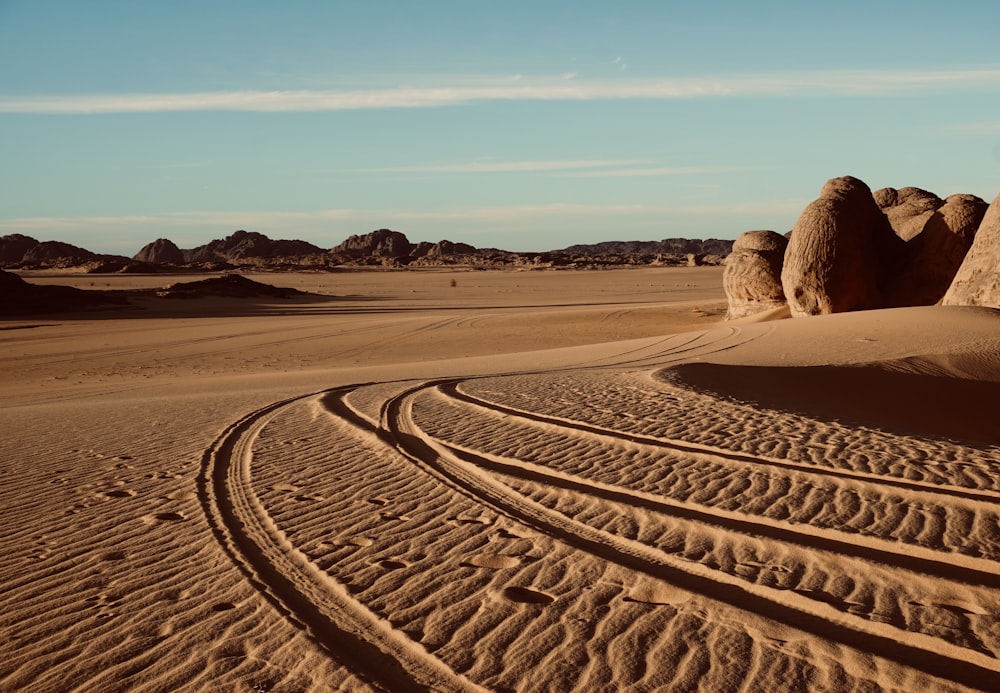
(668, 246)
(382, 247)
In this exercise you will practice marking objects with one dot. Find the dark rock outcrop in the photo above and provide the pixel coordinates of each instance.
(161, 251)
(441, 249)
(13, 248)
(752, 277)
(57, 253)
(380, 243)
(23, 298)
(977, 282)
(228, 285)
(244, 245)
(668, 246)
(841, 254)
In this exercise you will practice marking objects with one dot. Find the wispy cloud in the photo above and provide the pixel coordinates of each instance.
(788, 84)
(657, 171)
(234, 219)
(980, 128)
(506, 166)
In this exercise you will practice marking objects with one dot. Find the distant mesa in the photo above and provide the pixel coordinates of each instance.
(668, 246)
(243, 245)
(159, 252)
(57, 253)
(14, 247)
(381, 248)
(379, 243)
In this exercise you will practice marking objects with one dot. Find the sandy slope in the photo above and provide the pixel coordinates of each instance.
(518, 489)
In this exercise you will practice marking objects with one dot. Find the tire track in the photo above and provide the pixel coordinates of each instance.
(915, 650)
(453, 390)
(303, 592)
(916, 559)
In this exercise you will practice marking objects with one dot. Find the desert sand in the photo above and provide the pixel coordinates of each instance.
(504, 481)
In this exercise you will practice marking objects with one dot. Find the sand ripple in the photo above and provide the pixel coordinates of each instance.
(528, 532)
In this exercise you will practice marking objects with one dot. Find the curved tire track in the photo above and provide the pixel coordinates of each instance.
(915, 650)
(304, 593)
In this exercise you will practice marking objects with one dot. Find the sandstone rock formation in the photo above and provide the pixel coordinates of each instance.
(160, 251)
(752, 277)
(935, 254)
(908, 209)
(841, 253)
(977, 282)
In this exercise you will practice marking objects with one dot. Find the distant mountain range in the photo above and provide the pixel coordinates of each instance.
(382, 247)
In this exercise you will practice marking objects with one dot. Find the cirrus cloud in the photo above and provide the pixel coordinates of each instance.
(788, 84)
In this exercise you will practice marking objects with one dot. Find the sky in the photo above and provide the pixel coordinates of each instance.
(526, 126)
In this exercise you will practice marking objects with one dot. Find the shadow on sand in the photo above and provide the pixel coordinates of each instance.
(900, 402)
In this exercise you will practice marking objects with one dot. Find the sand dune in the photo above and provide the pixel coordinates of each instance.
(585, 493)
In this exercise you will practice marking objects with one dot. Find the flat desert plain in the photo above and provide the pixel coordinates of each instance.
(503, 481)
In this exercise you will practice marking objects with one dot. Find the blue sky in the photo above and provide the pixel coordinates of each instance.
(519, 125)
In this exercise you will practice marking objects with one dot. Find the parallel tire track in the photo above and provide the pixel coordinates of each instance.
(302, 591)
(915, 650)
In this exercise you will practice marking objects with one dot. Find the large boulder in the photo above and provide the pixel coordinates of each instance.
(908, 209)
(977, 282)
(160, 251)
(935, 254)
(13, 248)
(841, 253)
(752, 278)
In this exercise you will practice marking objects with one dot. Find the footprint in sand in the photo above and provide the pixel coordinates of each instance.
(181, 495)
(963, 608)
(352, 541)
(162, 517)
(492, 560)
(120, 493)
(656, 593)
(385, 515)
(513, 534)
(526, 595)
(466, 519)
(392, 564)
